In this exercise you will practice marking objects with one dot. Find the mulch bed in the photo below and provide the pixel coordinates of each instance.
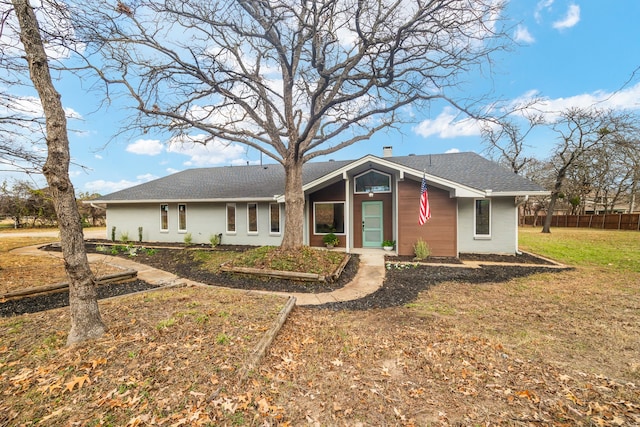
(50, 301)
(401, 285)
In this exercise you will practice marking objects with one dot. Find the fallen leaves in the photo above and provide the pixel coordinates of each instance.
(77, 381)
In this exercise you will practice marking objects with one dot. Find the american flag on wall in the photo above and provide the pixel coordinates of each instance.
(425, 209)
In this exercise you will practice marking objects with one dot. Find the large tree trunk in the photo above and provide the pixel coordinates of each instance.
(86, 322)
(294, 204)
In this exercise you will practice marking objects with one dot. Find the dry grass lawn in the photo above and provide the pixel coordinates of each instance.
(549, 349)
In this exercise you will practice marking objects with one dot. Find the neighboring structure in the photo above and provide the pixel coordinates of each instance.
(473, 203)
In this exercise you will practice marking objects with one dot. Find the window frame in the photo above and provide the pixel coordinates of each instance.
(344, 225)
(235, 218)
(182, 214)
(355, 182)
(249, 230)
(271, 207)
(477, 235)
(164, 217)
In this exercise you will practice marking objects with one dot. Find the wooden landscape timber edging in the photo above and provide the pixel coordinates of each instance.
(293, 275)
(258, 353)
(59, 287)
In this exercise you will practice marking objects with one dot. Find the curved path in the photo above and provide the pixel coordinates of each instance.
(368, 279)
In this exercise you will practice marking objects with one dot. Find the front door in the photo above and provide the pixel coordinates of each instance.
(372, 230)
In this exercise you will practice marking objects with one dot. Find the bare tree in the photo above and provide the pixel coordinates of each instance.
(506, 140)
(292, 79)
(582, 132)
(86, 321)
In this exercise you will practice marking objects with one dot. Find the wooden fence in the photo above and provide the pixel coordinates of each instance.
(605, 222)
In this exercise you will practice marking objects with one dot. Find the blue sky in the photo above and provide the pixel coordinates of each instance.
(571, 53)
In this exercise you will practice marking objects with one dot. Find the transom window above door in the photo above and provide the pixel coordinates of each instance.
(373, 182)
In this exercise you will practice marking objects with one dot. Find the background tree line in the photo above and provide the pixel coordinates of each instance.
(592, 167)
(27, 206)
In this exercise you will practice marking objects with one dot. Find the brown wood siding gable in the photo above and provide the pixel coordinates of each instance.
(440, 232)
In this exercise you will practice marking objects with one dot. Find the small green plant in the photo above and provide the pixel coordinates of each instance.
(388, 243)
(124, 237)
(399, 265)
(214, 239)
(202, 318)
(222, 339)
(113, 233)
(101, 248)
(331, 239)
(140, 234)
(164, 324)
(421, 249)
(150, 251)
(188, 239)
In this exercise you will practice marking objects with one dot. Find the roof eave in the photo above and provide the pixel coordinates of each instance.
(518, 193)
(215, 200)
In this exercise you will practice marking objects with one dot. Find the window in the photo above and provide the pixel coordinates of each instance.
(373, 181)
(328, 217)
(252, 218)
(483, 218)
(182, 217)
(164, 217)
(274, 218)
(231, 218)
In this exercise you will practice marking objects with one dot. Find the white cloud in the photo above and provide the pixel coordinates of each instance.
(171, 171)
(148, 147)
(570, 20)
(213, 153)
(97, 156)
(452, 150)
(448, 125)
(101, 186)
(146, 177)
(523, 35)
(542, 5)
(625, 99)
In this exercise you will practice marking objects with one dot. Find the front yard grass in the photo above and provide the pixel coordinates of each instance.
(547, 349)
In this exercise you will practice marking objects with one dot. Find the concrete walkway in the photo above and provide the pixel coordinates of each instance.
(368, 279)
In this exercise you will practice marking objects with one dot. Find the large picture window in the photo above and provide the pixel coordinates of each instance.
(231, 218)
(274, 218)
(164, 217)
(328, 217)
(182, 217)
(252, 218)
(483, 218)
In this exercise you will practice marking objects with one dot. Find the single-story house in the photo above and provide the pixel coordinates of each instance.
(473, 201)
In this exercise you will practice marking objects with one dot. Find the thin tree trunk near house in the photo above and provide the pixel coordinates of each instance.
(86, 322)
(546, 227)
(294, 204)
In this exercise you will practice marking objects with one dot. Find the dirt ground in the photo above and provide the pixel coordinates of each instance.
(437, 345)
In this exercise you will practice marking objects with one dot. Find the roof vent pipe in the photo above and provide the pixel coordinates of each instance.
(387, 151)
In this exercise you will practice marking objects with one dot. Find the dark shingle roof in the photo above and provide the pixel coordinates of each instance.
(471, 170)
(260, 182)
